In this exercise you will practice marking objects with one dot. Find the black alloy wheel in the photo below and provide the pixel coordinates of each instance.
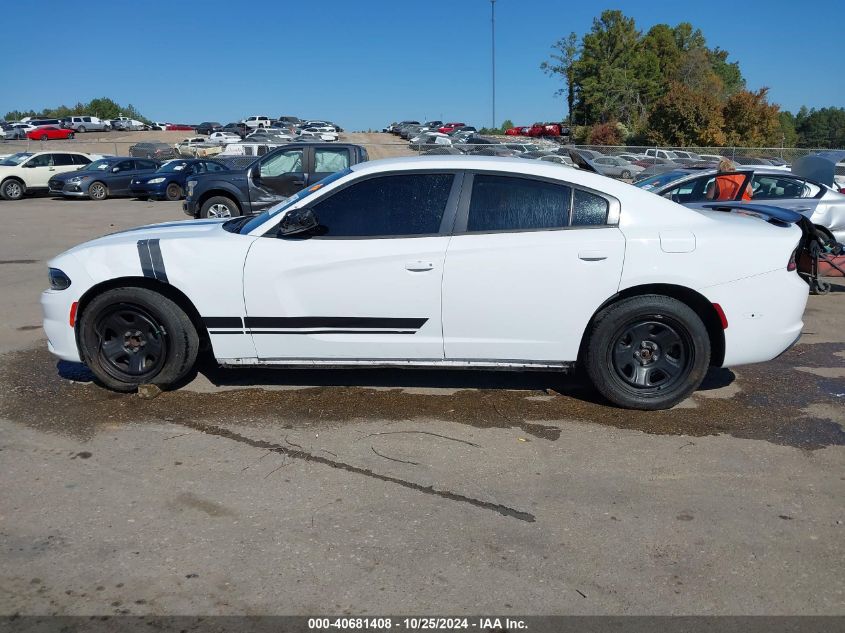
(132, 342)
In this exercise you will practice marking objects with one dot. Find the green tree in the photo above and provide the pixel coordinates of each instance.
(728, 72)
(789, 135)
(685, 117)
(561, 64)
(614, 80)
(751, 120)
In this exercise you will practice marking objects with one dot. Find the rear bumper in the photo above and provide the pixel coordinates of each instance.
(146, 189)
(764, 315)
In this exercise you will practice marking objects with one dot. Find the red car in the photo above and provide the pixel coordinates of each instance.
(449, 127)
(178, 127)
(48, 132)
(544, 129)
(517, 131)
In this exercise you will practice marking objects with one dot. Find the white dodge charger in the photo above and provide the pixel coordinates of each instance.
(440, 261)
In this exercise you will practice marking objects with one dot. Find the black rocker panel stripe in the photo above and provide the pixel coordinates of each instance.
(334, 322)
(223, 322)
(331, 332)
(152, 263)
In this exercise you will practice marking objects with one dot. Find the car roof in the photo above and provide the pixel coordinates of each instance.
(494, 163)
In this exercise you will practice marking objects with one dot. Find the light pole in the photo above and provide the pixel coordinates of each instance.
(493, 54)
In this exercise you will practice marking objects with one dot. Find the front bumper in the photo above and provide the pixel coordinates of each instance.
(189, 206)
(70, 189)
(61, 337)
(148, 190)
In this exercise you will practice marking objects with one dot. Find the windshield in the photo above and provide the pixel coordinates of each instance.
(172, 166)
(660, 179)
(97, 165)
(261, 218)
(15, 159)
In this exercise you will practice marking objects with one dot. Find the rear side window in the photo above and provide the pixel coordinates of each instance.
(62, 160)
(145, 164)
(504, 203)
(330, 160)
(407, 204)
(79, 159)
(588, 209)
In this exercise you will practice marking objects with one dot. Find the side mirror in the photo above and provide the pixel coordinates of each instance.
(298, 222)
(114, 170)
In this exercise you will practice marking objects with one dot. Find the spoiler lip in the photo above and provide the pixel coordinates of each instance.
(772, 214)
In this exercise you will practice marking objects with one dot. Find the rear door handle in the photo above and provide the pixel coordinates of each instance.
(419, 266)
(592, 256)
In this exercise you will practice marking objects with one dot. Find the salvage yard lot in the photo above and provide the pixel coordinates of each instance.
(265, 491)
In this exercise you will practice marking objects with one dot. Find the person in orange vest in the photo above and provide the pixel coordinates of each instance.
(727, 183)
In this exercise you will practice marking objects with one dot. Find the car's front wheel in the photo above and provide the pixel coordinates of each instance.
(12, 189)
(98, 191)
(132, 336)
(219, 207)
(648, 352)
(626, 174)
(173, 191)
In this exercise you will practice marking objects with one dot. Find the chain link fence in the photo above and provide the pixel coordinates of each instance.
(385, 146)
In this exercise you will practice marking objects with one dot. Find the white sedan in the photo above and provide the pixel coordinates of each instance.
(440, 261)
(223, 138)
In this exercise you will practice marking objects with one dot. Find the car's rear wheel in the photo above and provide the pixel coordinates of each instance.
(133, 336)
(174, 191)
(219, 207)
(648, 352)
(98, 191)
(44, 137)
(626, 174)
(70, 135)
(12, 189)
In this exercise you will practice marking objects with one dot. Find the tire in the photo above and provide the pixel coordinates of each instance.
(98, 191)
(219, 207)
(44, 137)
(12, 189)
(648, 352)
(626, 174)
(81, 129)
(71, 135)
(132, 336)
(173, 191)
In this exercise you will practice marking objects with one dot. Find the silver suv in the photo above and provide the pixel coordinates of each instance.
(86, 124)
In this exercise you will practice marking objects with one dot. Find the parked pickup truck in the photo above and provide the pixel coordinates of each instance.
(268, 179)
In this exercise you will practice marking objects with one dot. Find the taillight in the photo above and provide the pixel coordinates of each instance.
(793, 262)
(841, 189)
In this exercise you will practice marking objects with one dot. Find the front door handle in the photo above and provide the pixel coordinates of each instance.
(592, 256)
(419, 266)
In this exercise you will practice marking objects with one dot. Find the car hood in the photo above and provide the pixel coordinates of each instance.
(72, 174)
(184, 229)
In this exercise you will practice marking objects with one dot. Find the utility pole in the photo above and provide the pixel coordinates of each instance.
(493, 54)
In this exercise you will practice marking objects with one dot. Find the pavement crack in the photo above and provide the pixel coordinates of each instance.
(445, 437)
(210, 429)
(393, 459)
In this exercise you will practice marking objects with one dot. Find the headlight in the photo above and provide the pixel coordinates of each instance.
(155, 181)
(190, 186)
(58, 279)
(75, 179)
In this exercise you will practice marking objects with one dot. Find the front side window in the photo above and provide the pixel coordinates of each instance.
(79, 159)
(406, 204)
(697, 190)
(283, 163)
(505, 203)
(126, 165)
(213, 167)
(42, 160)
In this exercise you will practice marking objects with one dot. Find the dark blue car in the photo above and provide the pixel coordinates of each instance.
(168, 183)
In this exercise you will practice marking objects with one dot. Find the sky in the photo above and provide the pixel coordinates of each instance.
(365, 63)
